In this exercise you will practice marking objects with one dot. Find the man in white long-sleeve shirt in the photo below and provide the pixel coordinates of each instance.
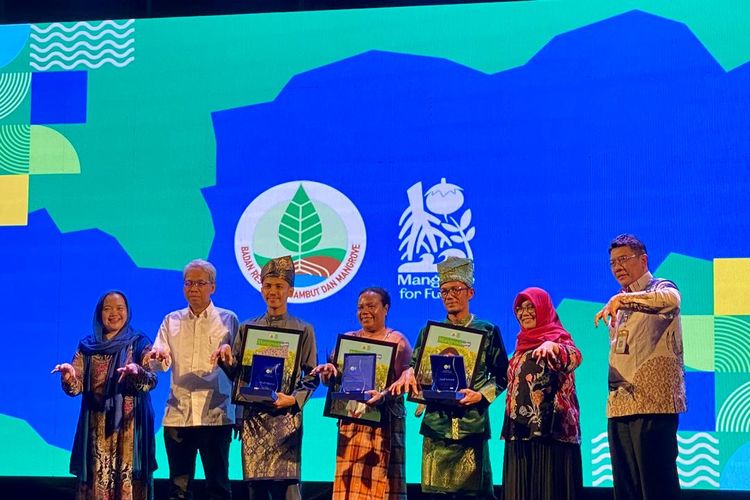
(199, 416)
(646, 376)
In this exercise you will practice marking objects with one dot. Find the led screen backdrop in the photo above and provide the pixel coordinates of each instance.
(370, 145)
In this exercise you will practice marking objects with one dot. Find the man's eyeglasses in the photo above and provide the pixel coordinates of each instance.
(199, 283)
(455, 290)
(620, 261)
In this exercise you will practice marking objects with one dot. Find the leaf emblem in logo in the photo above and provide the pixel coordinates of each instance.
(300, 229)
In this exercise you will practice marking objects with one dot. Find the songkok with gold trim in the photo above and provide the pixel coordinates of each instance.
(456, 269)
(280, 267)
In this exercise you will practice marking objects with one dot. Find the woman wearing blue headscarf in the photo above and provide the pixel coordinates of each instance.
(113, 451)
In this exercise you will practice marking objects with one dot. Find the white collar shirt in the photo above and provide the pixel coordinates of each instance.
(200, 392)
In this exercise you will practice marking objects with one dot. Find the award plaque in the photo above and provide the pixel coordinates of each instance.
(448, 378)
(374, 362)
(266, 374)
(357, 377)
(268, 363)
(446, 340)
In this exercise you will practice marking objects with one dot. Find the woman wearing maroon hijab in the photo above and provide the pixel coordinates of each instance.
(541, 428)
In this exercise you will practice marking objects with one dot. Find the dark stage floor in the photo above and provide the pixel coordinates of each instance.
(33, 488)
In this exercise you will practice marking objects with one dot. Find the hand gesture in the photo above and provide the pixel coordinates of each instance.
(326, 371)
(608, 313)
(470, 397)
(405, 383)
(129, 369)
(223, 354)
(376, 398)
(157, 354)
(66, 371)
(283, 401)
(548, 352)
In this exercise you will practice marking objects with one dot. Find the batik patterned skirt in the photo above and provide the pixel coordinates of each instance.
(271, 445)
(370, 462)
(111, 456)
(460, 466)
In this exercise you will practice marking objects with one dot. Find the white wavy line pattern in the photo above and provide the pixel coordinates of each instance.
(698, 446)
(85, 34)
(600, 458)
(598, 438)
(600, 480)
(601, 470)
(82, 24)
(700, 456)
(600, 448)
(700, 467)
(690, 484)
(83, 53)
(68, 53)
(65, 48)
(696, 436)
(83, 63)
(696, 470)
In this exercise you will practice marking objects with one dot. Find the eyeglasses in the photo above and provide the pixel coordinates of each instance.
(444, 292)
(620, 261)
(529, 308)
(199, 284)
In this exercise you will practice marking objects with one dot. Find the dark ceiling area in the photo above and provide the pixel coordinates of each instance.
(37, 11)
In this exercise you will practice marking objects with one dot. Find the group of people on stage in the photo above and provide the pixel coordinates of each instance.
(115, 367)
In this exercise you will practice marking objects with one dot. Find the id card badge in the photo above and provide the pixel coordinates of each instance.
(621, 342)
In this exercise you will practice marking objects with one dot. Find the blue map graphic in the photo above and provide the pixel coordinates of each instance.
(555, 158)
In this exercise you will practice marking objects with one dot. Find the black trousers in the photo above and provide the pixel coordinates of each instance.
(644, 456)
(183, 444)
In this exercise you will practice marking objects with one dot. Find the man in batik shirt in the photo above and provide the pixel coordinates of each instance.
(646, 379)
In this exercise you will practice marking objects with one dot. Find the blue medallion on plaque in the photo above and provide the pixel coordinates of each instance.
(448, 377)
(266, 374)
(357, 377)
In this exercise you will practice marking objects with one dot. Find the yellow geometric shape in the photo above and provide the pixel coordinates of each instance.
(51, 153)
(14, 200)
(698, 341)
(732, 287)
